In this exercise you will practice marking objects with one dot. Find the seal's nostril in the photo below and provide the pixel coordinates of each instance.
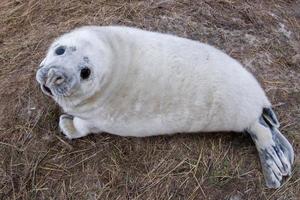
(59, 80)
(47, 90)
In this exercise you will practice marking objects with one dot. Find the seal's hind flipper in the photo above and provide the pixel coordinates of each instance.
(275, 152)
(270, 118)
(283, 145)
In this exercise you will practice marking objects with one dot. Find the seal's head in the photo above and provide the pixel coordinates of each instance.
(74, 67)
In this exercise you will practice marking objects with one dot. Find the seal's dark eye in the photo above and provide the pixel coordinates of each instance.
(60, 51)
(85, 73)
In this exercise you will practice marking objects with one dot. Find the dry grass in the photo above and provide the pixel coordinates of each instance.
(36, 162)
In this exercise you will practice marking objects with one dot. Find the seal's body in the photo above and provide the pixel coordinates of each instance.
(130, 82)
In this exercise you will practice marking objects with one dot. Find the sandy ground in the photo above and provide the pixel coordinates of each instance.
(37, 162)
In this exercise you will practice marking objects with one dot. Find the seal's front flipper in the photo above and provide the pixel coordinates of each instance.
(275, 152)
(72, 127)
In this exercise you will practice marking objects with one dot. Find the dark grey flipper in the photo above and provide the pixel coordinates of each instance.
(269, 116)
(283, 144)
(275, 152)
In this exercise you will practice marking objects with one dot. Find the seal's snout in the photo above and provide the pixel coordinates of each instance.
(53, 80)
(55, 77)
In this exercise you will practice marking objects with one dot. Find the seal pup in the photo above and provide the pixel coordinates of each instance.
(130, 82)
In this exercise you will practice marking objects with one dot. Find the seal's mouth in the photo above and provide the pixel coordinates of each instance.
(47, 90)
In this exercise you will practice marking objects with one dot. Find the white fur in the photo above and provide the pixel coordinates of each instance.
(148, 83)
(144, 83)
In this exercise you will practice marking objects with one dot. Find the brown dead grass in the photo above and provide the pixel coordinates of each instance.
(36, 162)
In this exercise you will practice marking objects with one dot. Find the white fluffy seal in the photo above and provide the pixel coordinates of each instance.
(131, 82)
